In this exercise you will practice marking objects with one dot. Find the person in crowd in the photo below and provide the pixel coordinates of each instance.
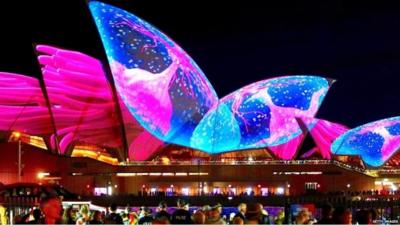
(52, 209)
(96, 218)
(238, 220)
(147, 219)
(133, 218)
(199, 217)
(162, 211)
(326, 214)
(69, 216)
(342, 215)
(253, 214)
(3, 216)
(141, 212)
(218, 207)
(125, 218)
(84, 217)
(241, 211)
(264, 217)
(280, 218)
(113, 217)
(303, 217)
(37, 217)
(214, 216)
(181, 215)
(364, 217)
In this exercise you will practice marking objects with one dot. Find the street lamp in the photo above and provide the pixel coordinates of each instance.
(17, 136)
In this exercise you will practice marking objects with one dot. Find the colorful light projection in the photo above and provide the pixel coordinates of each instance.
(83, 106)
(324, 133)
(374, 142)
(22, 105)
(261, 114)
(80, 98)
(169, 95)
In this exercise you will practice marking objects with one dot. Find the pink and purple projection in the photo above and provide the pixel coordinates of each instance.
(170, 97)
(324, 133)
(374, 142)
(80, 98)
(23, 106)
(83, 107)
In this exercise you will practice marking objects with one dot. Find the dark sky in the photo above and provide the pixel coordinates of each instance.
(354, 42)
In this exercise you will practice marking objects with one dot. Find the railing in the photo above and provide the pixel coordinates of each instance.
(233, 162)
(249, 162)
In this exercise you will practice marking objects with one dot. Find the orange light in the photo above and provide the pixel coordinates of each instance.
(17, 134)
(42, 175)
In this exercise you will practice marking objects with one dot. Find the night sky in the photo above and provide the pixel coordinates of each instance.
(356, 43)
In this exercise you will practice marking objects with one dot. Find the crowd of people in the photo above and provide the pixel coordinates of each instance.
(51, 212)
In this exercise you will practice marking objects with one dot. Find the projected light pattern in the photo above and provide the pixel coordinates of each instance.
(83, 107)
(261, 114)
(80, 97)
(171, 98)
(288, 150)
(324, 133)
(22, 105)
(159, 83)
(375, 142)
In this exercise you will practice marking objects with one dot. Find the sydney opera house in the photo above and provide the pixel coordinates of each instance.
(148, 120)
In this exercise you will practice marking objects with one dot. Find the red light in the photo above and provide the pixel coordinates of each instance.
(259, 185)
(88, 186)
(318, 185)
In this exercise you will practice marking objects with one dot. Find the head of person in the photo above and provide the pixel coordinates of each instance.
(218, 207)
(69, 212)
(326, 211)
(36, 214)
(364, 217)
(113, 207)
(302, 217)
(237, 220)
(199, 217)
(147, 211)
(51, 208)
(242, 208)
(253, 212)
(97, 215)
(182, 204)
(84, 211)
(214, 213)
(162, 206)
(342, 215)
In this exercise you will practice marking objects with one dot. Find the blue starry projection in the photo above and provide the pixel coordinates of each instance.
(374, 142)
(170, 96)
